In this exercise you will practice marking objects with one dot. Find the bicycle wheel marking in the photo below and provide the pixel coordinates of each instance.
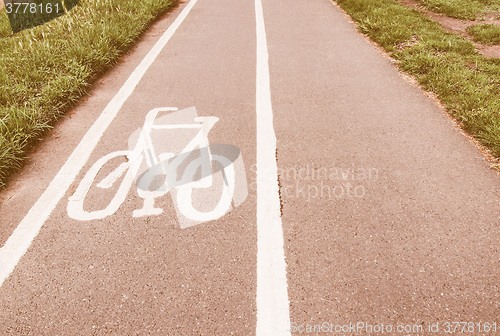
(215, 171)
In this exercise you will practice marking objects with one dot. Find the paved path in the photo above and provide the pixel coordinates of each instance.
(381, 211)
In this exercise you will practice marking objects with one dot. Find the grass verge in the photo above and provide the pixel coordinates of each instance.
(467, 83)
(485, 33)
(462, 9)
(45, 70)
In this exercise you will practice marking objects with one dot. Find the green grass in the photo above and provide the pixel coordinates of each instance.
(45, 70)
(4, 24)
(462, 9)
(485, 33)
(467, 83)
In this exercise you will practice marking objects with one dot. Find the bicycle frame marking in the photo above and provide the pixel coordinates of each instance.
(200, 140)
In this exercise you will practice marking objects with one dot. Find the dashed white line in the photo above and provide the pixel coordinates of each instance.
(273, 316)
(22, 237)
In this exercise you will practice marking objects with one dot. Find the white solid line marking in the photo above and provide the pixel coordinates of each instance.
(20, 240)
(273, 316)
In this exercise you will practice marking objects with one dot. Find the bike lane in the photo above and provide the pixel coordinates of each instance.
(390, 216)
(146, 275)
(399, 249)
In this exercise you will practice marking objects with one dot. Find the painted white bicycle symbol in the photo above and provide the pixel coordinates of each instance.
(198, 163)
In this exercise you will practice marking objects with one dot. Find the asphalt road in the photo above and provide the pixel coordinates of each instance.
(355, 204)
